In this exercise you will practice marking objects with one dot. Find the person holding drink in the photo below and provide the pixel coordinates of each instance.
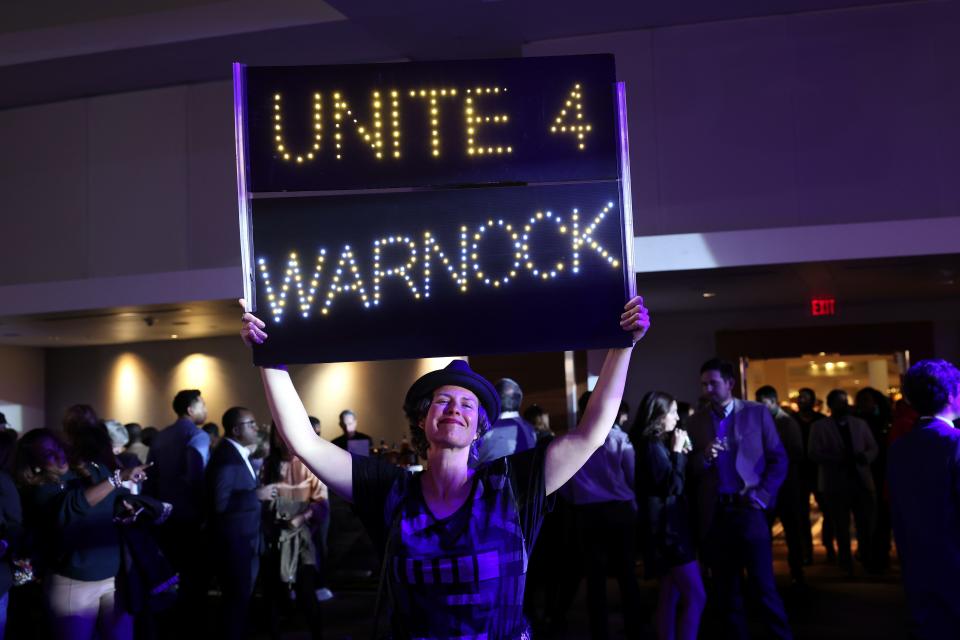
(665, 537)
(737, 464)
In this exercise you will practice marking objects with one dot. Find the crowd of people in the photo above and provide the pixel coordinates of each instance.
(117, 531)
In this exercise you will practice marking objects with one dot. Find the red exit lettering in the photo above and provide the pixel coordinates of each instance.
(823, 306)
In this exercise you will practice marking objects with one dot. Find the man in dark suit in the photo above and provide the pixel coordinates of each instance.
(805, 416)
(510, 433)
(179, 454)
(789, 504)
(923, 475)
(737, 466)
(233, 508)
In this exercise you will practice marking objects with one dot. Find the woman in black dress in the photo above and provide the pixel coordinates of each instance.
(667, 544)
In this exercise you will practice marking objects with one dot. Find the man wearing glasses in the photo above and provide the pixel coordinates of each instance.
(233, 509)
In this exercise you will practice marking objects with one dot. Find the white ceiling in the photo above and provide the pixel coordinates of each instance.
(59, 50)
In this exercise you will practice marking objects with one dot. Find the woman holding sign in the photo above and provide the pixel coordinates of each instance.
(456, 538)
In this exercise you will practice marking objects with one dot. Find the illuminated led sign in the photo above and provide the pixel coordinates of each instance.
(437, 124)
(422, 209)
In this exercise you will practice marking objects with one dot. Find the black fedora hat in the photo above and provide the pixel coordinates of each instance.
(457, 373)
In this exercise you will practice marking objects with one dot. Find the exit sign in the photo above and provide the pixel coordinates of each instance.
(823, 306)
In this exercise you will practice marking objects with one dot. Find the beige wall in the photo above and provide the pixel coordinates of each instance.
(21, 386)
(137, 382)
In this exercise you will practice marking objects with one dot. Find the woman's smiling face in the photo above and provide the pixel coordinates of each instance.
(452, 419)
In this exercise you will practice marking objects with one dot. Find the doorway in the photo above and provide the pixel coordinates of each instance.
(824, 372)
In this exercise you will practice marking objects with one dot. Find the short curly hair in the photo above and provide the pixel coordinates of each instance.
(416, 410)
(929, 384)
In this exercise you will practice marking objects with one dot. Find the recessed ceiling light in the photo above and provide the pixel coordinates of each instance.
(709, 294)
(174, 336)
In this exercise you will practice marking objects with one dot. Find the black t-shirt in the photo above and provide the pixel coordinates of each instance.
(342, 440)
(373, 478)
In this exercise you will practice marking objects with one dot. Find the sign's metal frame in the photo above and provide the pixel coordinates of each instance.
(245, 197)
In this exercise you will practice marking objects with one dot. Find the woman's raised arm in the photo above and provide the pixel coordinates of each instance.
(569, 452)
(327, 461)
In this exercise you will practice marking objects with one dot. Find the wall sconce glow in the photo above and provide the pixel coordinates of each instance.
(128, 400)
(347, 278)
(426, 365)
(196, 371)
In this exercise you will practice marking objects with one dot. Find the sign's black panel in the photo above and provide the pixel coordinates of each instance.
(431, 124)
(429, 273)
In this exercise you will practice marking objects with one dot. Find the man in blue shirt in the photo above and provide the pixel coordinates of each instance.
(737, 466)
(923, 475)
(179, 455)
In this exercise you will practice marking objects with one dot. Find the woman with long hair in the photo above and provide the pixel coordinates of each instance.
(69, 513)
(456, 537)
(289, 570)
(667, 544)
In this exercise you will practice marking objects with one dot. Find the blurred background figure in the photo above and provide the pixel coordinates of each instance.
(135, 444)
(605, 513)
(843, 447)
(789, 504)
(352, 440)
(119, 438)
(806, 415)
(148, 435)
(666, 542)
(234, 515)
(11, 524)
(70, 509)
(289, 570)
(623, 416)
(874, 408)
(212, 430)
(509, 433)
(925, 500)
(179, 454)
(540, 420)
